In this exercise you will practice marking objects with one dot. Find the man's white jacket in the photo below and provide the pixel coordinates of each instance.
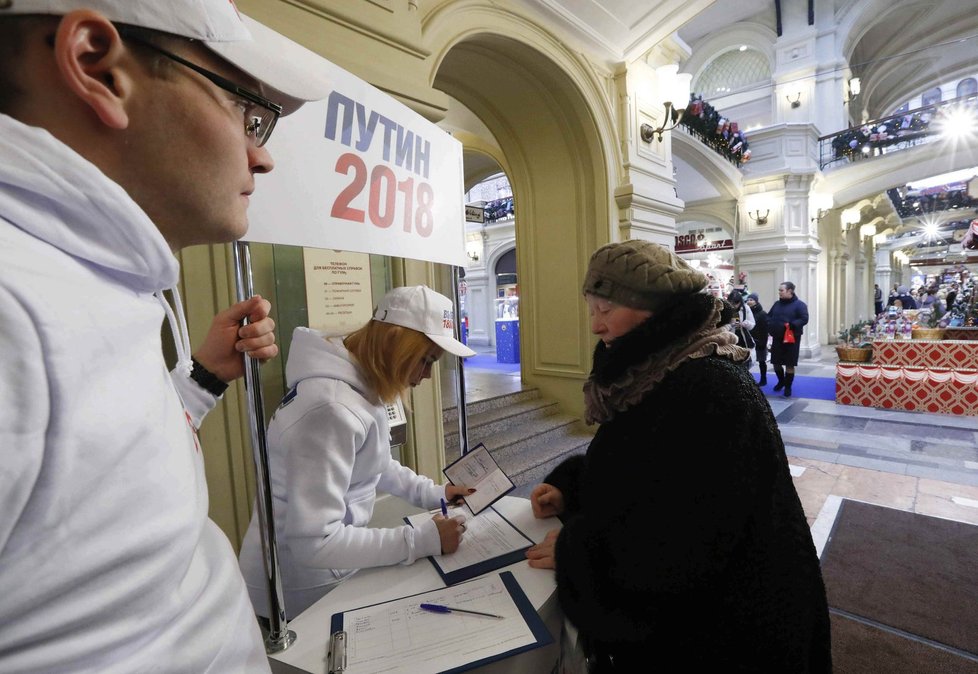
(108, 561)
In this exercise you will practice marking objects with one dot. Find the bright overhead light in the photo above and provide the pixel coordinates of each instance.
(743, 47)
(960, 123)
(930, 229)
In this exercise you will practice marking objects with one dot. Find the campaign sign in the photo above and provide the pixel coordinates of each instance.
(362, 172)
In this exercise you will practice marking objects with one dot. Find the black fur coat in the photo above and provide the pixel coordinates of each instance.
(684, 540)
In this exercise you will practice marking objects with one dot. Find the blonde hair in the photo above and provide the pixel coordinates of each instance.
(387, 355)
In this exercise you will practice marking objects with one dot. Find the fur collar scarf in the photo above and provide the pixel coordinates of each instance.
(634, 363)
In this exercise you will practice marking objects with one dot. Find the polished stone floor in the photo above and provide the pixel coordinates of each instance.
(914, 461)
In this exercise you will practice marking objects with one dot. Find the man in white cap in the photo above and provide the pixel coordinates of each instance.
(129, 129)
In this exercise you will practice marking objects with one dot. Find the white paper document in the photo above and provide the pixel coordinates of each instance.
(398, 637)
(478, 469)
(487, 537)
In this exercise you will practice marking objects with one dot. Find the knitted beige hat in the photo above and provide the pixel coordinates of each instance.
(640, 275)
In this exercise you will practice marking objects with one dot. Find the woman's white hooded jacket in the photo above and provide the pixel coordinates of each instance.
(329, 453)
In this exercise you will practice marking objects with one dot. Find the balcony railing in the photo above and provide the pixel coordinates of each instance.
(888, 134)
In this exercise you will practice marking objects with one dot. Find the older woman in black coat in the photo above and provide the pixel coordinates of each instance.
(684, 539)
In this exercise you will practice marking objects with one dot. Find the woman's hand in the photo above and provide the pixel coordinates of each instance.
(455, 495)
(541, 555)
(547, 501)
(450, 530)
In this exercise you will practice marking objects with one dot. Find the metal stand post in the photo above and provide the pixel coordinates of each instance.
(279, 637)
(463, 425)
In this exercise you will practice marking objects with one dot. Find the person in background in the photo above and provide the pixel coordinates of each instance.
(951, 296)
(906, 298)
(933, 302)
(877, 299)
(894, 293)
(760, 334)
(329, 451)
(787, 311)
(741, 323)
(707, 558)
(129, 130)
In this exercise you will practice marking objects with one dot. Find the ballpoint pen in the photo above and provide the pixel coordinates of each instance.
(438, 608)
(444, 508)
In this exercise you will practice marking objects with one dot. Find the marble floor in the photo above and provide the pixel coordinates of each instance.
(914, 461)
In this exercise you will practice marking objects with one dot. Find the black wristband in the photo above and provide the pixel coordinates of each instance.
(207, 379)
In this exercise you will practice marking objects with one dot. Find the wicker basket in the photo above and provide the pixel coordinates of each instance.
(853, 354)
(961, 333)
(927, 333)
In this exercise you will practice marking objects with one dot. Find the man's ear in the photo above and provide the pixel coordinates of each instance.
(91, 58)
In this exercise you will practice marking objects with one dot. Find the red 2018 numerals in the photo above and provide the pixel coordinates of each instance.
(383, 198)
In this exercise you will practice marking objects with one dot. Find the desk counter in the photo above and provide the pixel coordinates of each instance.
(370, 586)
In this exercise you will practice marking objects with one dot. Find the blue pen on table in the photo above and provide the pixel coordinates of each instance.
(444, 508)
(438, 608)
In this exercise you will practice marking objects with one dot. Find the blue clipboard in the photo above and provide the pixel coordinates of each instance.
(485, 566)
(336, 658)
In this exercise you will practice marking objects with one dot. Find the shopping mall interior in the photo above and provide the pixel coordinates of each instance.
(830, 143)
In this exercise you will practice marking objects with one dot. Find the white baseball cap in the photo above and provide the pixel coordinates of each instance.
(421, 308)
(291, 74)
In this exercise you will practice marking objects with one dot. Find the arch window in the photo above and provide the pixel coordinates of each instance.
(733, 71)
(967, 87)
(930, 97)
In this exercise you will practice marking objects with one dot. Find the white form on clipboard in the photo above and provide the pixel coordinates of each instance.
(478, 469)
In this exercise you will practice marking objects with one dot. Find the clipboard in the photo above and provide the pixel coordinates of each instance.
(398, 637)
(477, 468)
(496, 528)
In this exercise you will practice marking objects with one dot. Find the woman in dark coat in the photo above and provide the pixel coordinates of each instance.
(787, 311)
(697, 551)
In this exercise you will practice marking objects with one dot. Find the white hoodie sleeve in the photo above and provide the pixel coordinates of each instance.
(402, 481)
(24, 411)
(197, 400)
(747, 318)
(325, 506)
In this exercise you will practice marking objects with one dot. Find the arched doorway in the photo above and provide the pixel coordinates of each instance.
(553, 144)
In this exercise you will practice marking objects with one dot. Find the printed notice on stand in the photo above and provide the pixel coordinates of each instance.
(337, 290)
(478, 469)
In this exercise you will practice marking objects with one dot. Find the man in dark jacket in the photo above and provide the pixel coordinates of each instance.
(760, 335)
(906, 299)
(787, 311)
(705, 557)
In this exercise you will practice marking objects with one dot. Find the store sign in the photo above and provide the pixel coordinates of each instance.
(695, 243)
(475, 214)
(361, 172)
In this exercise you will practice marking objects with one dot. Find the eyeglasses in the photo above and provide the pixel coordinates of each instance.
(260, 114)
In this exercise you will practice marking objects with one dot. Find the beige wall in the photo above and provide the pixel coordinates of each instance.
(560, 126)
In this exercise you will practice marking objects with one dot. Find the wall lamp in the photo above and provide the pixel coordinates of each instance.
(474, 256)
(757, 217)
(796, 103)
(674, 88)
(823, 204)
